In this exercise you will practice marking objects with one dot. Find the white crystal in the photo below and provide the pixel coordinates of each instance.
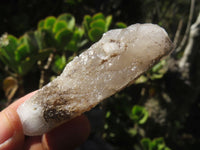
(109, 65)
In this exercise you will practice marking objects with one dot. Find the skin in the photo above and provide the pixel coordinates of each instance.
(67, 136)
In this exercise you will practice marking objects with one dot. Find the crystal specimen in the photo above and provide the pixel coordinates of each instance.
(108, 66)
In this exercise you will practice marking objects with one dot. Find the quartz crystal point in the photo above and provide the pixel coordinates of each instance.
(108, 66)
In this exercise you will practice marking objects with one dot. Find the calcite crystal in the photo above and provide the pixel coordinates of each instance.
(108, 66)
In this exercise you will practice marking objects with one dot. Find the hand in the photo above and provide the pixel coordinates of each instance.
(67, 136)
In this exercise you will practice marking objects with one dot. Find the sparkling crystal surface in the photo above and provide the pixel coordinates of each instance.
(108, 66)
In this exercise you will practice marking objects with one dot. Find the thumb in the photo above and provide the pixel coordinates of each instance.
(11, 132)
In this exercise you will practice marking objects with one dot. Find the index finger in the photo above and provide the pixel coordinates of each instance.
(11, 132)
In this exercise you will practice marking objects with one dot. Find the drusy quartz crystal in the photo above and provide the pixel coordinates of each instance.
(108, 66)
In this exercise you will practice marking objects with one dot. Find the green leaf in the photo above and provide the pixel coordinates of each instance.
(156, 76)
(86, 22)
(69, 19)
(39, 39)
(63, 37)
(12, 45)
(76, 41)
(146, 143)
(120, 25)
(108, 114)
(98, 16)
(141, 79)
(24, 41)
(7, 60)
(59, 64)
(21, 40)
(156, 144)
(49, 22)
(78, 33)
(4, 56)
(40, 25)
(159, 144)
(139, 114)
(21, 52)
(95, 34)
(158, 141)
(59, 25)
(31, 41)
(8, 51)
(98, 24)
(158, 71)
(132, 131)
(108, 22)
(48, 39)
(159, 66)
(72, 46)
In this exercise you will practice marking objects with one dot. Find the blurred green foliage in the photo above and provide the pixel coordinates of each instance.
(156, 144)
(139, 114)
(61, 33)
(157, 72)
(21, 54)
(59, 64)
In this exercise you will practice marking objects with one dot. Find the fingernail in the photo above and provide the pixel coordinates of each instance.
(6, 131)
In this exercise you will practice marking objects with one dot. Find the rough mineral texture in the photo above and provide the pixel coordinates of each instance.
(108, 66)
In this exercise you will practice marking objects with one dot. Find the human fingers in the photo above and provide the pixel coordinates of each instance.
(11, 132)
(67, 136)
